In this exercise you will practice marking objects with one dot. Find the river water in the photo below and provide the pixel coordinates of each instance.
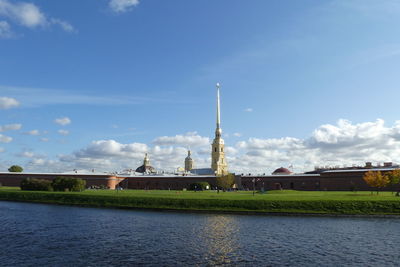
(51, 235)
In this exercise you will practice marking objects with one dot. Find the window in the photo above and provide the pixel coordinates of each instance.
(215, 149)
(222, 149)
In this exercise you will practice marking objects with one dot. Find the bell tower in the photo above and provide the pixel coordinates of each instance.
(218, 161)
(188, 162)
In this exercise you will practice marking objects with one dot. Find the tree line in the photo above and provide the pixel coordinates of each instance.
(380, 180)
(57, 184)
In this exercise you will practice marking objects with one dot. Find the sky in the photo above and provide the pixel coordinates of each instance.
(96, 84)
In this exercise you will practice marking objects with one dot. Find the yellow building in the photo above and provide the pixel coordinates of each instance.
(189, 164)
(218, 161)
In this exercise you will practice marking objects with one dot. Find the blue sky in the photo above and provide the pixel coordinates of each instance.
(304, 83)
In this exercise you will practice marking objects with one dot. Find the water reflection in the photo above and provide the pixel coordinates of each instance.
(219, 235)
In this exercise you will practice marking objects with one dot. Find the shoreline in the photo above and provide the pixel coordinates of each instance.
(309, 208)
(215, 212)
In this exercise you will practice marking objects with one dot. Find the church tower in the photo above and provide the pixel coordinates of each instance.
(188, 163)
(146, 160)
(218, 161)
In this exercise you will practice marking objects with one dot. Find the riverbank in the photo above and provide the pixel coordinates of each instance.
(273, 202)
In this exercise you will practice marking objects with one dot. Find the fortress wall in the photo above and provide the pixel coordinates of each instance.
(349, 181)
(14, 179)
(276, 182)
(165, 183)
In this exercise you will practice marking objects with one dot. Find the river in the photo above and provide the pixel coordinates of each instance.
(51, 235)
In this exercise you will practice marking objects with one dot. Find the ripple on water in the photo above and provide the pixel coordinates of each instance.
(35, 234)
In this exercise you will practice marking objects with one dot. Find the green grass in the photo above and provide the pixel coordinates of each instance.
(286, 201)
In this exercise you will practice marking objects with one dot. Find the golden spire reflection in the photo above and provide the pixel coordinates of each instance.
(219, 235)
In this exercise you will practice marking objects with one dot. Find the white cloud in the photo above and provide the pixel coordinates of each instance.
(190, 139)
(248, 110)
(63, 132)
(111, 148)
(26, 154)
(8, 102)
(29, 15)
(32, 132)
(107, 155)
(5, 30)
(44, 139)
(26, 14)
(120, 6)
(5, 139)
(63, 121)
(10, 127)
(63, 24)
(343, 143)
(35, 97)
(237, 134)
(335, 145)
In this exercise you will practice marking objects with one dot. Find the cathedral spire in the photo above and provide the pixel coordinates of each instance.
(218, 109)
(218, 130)
(218, 161)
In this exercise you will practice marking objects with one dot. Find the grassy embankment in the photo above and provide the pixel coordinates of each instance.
(286, 201)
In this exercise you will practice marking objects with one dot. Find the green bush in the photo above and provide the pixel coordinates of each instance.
(68, 184)
(36, 184)
(199, 186)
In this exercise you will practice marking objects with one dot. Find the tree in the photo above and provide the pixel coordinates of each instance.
(225, 181)
(394, 177)
(36, 184)
(68, 184)
(15, 168)
(376, 179)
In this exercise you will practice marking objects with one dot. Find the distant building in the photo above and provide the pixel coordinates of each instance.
(146, 167)
(368, 165)
(282, 171)
(189, 163)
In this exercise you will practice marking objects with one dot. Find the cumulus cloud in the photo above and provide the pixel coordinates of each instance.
(109, 155)
(248, 110)
(237, 134)
(120, 6)
(10, 127)
(5, 139)
(106, 155)
(32, 132)
(29, 15)
(26, 14)
(329, 145)
(190, 139)
(63, 121)
(111, 148)
(8, 102)
(343, 143)
(63, 132)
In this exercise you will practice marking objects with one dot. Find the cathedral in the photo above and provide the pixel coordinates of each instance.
(218, 161)
(219, 165)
